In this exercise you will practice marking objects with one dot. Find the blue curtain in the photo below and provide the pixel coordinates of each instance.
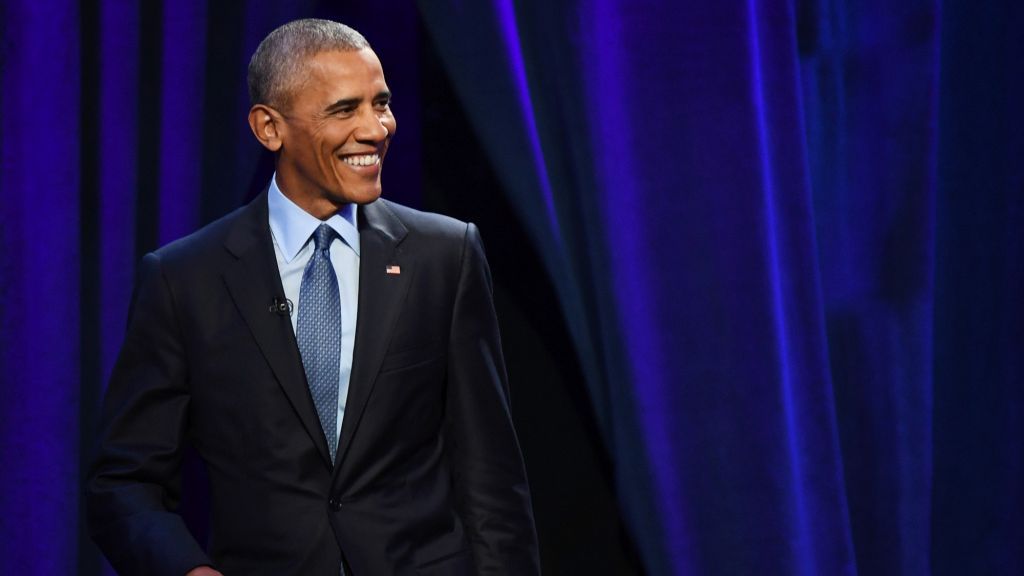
(784, 236)
(39, 229)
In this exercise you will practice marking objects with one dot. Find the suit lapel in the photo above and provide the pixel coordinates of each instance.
(380, 300)
(254, 282)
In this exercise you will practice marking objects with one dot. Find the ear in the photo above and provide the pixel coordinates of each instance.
(267, 125)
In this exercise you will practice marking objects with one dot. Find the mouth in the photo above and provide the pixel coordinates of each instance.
(362, 160)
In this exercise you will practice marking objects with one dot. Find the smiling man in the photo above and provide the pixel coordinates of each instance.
(333, 357)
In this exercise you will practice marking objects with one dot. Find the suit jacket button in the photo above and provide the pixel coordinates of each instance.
(335, 504)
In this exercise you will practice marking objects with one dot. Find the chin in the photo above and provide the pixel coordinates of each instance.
(368, 197)
(361, 197)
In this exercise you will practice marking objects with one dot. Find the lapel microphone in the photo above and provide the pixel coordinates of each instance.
(280, 306)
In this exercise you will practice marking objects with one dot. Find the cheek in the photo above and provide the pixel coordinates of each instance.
(331, 138)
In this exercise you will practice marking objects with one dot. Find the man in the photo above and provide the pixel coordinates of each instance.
(333, 357)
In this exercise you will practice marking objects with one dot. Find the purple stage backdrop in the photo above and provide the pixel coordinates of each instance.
(784, 237)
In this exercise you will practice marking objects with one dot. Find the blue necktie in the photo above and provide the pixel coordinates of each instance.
(319, 333)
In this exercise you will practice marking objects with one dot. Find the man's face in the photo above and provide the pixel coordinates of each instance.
(336, 130)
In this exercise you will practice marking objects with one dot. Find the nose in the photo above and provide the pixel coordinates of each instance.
(373, 128)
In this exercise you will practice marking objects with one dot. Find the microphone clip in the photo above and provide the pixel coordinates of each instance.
(281, 307)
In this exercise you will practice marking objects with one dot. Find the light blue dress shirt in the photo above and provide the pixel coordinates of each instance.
(292, 230)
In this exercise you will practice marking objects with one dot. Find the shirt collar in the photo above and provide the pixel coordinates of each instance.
(292, 226)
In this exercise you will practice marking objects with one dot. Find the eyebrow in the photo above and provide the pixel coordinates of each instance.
(352, 102)
(343, 103)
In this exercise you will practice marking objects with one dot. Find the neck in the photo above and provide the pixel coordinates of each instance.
(318, 205)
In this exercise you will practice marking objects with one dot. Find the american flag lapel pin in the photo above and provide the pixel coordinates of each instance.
(393, 269)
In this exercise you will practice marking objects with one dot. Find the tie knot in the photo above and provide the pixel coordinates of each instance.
(322, 237)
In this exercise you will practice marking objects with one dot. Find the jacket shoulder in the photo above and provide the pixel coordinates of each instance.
(428, 224)
(207, 242)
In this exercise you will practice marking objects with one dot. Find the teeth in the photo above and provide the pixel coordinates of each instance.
(365, 160)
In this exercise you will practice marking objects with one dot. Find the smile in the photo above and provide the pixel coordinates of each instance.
(364, 160)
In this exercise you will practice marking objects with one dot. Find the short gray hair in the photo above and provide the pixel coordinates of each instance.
(280, 58)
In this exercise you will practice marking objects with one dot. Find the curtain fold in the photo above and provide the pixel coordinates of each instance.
(673, 142)
(39, 219)
(763, 255)
(869, 72)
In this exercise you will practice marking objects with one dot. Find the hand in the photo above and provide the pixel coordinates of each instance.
(203, 571)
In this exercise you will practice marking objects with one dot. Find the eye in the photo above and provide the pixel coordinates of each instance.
(382, 104)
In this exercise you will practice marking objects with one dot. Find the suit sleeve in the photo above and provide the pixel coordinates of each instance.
(134, 486)
(493, 498)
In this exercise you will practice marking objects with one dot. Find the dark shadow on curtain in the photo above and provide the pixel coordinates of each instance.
(570, 473)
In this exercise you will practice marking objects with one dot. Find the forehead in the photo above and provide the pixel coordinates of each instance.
(345, 73)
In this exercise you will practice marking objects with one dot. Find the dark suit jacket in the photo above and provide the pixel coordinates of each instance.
(429, 478)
